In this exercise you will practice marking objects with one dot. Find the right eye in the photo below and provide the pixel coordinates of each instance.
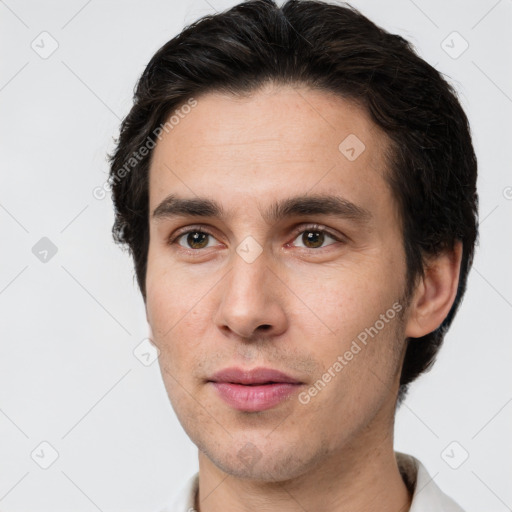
(194, 239)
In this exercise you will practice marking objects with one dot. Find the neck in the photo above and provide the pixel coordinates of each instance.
(362, 478)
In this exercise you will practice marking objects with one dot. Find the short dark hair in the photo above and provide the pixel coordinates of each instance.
(431, 163)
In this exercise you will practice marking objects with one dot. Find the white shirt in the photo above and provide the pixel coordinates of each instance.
(427, 496)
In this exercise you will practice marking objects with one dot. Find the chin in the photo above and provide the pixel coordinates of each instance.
(262, 460)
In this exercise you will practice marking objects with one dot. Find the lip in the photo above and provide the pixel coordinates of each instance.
(254, 376)
(253, 390)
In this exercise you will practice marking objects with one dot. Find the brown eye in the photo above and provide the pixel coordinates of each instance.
(313, 239)
(194, 239)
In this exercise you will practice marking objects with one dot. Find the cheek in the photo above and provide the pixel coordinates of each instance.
(359, 370)
(177, 333)
(342, 301)
(363, 338)
(168, 293)
(179, 313)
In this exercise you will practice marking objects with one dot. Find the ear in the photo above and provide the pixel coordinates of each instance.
(435, 293)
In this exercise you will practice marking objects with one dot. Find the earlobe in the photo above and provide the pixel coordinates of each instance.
(435, 293)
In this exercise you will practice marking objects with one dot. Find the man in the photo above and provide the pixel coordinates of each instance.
(298, 191)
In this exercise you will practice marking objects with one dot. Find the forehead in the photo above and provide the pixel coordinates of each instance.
(278, 140)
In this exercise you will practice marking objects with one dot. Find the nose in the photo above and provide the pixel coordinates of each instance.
(252, 301)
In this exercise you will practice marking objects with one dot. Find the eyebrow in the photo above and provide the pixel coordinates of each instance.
(173, 206)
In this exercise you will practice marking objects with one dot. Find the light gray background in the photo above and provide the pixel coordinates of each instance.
(68, 375)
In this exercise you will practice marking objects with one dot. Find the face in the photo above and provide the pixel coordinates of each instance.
(275, 243)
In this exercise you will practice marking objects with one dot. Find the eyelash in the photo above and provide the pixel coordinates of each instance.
(301, 229)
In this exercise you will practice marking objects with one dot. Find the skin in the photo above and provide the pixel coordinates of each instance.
(208, 307)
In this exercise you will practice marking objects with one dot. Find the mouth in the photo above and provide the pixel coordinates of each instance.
(253, 390)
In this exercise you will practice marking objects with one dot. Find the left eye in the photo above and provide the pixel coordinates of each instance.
(313, 238)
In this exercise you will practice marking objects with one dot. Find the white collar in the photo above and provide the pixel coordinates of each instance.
(427, 495)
